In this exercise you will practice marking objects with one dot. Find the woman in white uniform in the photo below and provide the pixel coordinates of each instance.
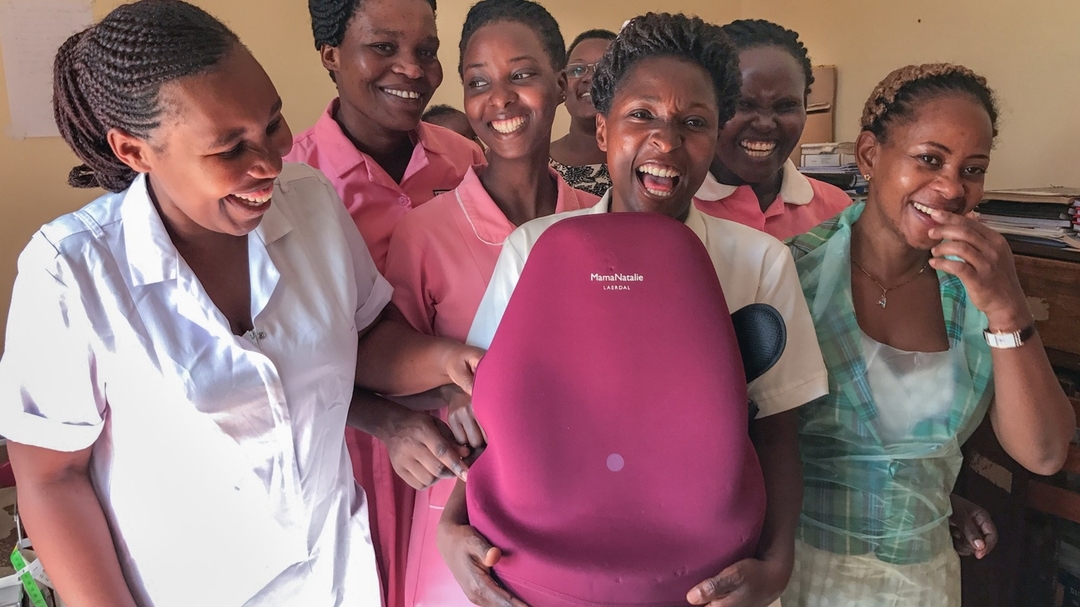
(181, 353)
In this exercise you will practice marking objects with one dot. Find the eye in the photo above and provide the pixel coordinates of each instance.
(522, 75)
(476, 83)
(788, 106)
(697, 122)
(576, 71)
(975, 171)
(640, 114)
(274, 126)
(742, 105)
(929, 159)
(233, 152)
(383, 47)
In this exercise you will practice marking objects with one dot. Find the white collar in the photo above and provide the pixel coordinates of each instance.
(795, 188)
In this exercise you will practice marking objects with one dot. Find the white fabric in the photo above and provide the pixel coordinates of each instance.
(752, 266)
(219, 461)
(795, 188)
(909, 387)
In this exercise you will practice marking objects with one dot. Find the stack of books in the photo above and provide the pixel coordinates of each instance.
(833, 163)
(1043, 216)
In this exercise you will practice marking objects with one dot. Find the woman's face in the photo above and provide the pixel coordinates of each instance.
(387, 66)
(769, 117)
(582, 61)
(659, 135)
(213, 161)
(511, 89)
(935, 160)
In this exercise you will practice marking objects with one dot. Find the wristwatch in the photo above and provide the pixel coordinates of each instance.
(1013, 339)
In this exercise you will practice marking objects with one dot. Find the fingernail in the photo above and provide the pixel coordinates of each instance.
(979, 544)
(464, 475)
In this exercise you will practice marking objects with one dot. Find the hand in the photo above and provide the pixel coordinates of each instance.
(470, 558)
(972, 529)
(460, 362)
(422, 449)
(466, 429)
(747, 583)
(987, 269)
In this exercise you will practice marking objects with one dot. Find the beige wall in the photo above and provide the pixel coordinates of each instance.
(1028, 50)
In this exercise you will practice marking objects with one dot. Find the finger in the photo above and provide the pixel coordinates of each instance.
(476, 436)
(461, 436)
(959, 269)
(946, 219)
(714, 588)
(447, 456)
(964, 251)
(973, 537)
(989, 530)
(485, 591)
(422, 473)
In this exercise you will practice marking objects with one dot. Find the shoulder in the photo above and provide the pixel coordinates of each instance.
(526, 235)
(305, 146)
(447, 143)
(829, 195)
(805, 244)
(82, 234)
(740, 241)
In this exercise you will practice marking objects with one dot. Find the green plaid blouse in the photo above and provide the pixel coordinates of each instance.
(865, 494)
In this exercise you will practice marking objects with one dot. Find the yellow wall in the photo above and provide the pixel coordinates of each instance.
(1027, 49)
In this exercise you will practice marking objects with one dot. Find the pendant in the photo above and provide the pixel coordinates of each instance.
(881, 302)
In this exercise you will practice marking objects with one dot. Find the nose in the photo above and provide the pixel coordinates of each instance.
(409, 68)
(949, 185)
(268, 162)
(764, 120)
(501, 95)
(666, 137)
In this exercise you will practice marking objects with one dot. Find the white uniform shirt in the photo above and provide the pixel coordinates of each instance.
(219, 460)
(753, 267)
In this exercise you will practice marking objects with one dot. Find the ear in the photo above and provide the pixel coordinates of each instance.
(133, 151)
(331, 58)
(866, 152)
(601, 132)
(562, 86)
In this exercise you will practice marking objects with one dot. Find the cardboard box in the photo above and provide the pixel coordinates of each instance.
(820, 110)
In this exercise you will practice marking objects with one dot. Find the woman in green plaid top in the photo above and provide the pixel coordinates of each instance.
(901, 290)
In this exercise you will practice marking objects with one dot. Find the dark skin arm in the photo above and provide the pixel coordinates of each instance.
(470, 556)
(62, 514)
(757, 582)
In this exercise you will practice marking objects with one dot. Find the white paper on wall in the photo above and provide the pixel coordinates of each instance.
(30, 33)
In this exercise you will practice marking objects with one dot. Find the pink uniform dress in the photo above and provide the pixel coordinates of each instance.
(803, 203)
(440, 261)
(619, 471)
(376, 204)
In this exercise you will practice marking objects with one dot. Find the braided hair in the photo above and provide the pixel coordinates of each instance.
(527, 13)
(895, 98)
(753, 33)
(330, 19)
(110, 75)
(678, 36)
(595, 34)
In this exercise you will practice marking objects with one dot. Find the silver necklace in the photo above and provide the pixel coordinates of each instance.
(885, 291)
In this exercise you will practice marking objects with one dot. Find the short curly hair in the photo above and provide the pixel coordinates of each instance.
(753, 33)
(594, 34)
(666, 35)
(330, 19)
(528, 13)
(110, 76)
(895, 98)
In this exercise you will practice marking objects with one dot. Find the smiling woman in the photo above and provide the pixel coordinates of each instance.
(751, 180)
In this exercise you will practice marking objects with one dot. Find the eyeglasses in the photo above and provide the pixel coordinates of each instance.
(580, 70)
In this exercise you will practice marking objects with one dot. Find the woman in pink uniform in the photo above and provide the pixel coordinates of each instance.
(442, 255)
(371, 144)
(751, 180)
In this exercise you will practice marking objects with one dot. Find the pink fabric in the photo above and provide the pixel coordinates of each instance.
(440, 261)
(619, 470)
(782, 219)
(375, 202)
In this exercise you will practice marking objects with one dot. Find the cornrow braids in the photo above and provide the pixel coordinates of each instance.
(527, 13)
(109, 76)
(595, 34)
(752, 33)
(665, 35)
(895, 98)
(330, 19)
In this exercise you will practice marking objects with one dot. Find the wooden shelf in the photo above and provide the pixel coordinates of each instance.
(1052, 500)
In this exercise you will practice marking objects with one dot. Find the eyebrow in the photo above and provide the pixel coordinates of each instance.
(233, 134)
(945, 148)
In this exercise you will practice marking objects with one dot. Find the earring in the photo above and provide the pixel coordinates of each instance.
(866, 176)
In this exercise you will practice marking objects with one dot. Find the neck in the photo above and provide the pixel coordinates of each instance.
(766, 191)
(522, 188)
(883, 253)
(371, 139)
(578, 147)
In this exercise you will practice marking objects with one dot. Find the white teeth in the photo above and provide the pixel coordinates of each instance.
(509, 125)
(758, 149)
(255, 200)
(658, 171)
(658, 193)
(402, 94)
(923, 208)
